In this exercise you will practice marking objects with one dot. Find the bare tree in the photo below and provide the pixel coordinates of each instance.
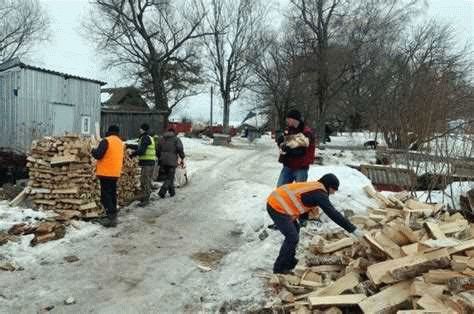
(23, 24)
(153, 41)
(333, 33)
(272, 68)
(235, 25)
(427, 85)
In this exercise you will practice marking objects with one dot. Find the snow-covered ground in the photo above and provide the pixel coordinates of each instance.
(156, 259)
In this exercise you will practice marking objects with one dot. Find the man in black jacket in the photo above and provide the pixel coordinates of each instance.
(146, 152)
(168, 151)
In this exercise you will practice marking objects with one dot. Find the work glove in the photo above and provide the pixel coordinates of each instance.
(357, 234)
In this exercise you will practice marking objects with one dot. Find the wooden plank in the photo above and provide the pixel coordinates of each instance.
(19, 198)
(66, 191)
(419, 288)
(454, 227)
(396, 236)
(407, 232)
(74, 201)
(382, 272)
(413, 249)
(441, 276)
(431, 303)
(434, 230)
(344, 283)
(417, 205)
(462, 247)
(378, 196)
(87, 206)
(387, 299)
(311, 284)
(389, 247)
(39, 191)
(318, 260)
(370, 239)
(346, 299)
(337, 245)
(59, 160)
(327, 268)
(431, 260)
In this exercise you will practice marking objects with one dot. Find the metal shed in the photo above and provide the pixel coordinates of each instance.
(37, 102)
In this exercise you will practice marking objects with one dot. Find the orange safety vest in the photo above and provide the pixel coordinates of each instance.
(110, 165)
(286, 199)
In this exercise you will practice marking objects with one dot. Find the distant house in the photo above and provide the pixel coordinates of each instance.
(125, 107)
(253, 127)
(36, 102)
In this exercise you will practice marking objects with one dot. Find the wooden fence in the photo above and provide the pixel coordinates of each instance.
(129, 122)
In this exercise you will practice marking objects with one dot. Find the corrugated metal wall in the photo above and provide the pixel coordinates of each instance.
(8, 103)
(31, 110)
(129, 122)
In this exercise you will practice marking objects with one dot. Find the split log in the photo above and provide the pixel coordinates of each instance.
(318, 260)
(347, 299)
(387, 299)
(458, 284)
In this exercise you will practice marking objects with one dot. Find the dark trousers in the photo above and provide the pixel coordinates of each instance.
(168, 183)
(290, 228)
(108, 196)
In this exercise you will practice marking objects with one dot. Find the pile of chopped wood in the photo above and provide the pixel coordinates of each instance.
(43, 231)
(414, 258)
(129, 182)
(62, 176)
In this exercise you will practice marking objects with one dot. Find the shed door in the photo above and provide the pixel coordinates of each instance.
(63, 119)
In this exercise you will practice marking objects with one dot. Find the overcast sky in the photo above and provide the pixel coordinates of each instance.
(71, 53)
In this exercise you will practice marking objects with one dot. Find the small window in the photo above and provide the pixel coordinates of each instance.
(86, 125)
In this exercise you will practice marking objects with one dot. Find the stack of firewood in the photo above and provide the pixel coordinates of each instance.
(129, 182)
(414, 258)
(62, 176)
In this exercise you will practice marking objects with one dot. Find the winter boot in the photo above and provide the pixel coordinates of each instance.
(109, 221)
(144, 203)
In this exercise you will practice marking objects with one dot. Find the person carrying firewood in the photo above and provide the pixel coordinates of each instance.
(109, 155)
(289, 202)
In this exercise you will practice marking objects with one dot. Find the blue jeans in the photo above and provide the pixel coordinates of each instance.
(290, 228)
(288, 175)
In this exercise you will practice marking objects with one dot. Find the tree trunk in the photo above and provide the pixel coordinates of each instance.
(226, 114)
(161, 99)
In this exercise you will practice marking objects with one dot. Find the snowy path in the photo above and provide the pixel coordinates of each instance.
(149, 263)
(145, 264)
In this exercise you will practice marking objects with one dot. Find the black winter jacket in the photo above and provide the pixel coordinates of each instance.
(168, 150)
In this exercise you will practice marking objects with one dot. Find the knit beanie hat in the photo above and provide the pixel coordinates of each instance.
(330, 181)
(294, 114)
(145, 127)
(113, 129)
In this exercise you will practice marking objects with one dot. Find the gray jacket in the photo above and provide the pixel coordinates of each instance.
(168, 150)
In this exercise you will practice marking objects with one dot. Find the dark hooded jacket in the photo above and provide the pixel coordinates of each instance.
(168, 150)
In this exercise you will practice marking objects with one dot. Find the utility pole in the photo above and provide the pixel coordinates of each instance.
(212, 97)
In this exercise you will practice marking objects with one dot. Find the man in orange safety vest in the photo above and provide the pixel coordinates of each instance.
(109, 155)
(288, 202)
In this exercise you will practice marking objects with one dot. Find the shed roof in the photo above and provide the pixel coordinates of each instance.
(124, 98)
(17, 63)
